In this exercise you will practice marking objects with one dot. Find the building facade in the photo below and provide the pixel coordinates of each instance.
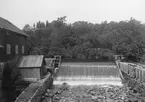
(13, 41)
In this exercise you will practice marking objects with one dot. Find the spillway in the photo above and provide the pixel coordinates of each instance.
(88, 73)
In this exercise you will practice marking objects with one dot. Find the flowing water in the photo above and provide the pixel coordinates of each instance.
(8, 95)
(89, 73)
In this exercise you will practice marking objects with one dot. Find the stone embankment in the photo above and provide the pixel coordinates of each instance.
(35, 90)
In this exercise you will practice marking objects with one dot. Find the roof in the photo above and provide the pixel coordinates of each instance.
(31, 61)
(9, 26)
(1, 46)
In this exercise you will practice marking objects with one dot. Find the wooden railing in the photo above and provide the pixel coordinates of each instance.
(136, 71)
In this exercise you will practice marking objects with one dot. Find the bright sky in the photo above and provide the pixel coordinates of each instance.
(21, 12)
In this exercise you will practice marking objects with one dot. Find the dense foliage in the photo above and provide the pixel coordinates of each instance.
(87, 41)
(11, 72)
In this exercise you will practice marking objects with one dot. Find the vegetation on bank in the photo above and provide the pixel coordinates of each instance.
(83, 40)
(11, 73)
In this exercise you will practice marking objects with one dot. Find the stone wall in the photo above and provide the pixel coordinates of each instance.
(35, 90)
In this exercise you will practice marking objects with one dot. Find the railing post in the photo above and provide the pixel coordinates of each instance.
(119, 69)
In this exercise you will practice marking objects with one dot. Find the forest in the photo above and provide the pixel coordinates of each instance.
(83, 40)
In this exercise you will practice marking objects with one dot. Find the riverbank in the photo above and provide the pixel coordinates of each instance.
(35, 90)
(91, 93)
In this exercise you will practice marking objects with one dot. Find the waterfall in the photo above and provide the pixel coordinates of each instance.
(88, 72)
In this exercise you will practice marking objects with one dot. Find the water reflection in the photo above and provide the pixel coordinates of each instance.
(8, 95)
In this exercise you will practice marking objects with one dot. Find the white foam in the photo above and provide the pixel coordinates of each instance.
(99, 81)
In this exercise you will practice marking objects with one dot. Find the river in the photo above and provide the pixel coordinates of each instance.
(85, 73)
(8, 95)
(87, 82)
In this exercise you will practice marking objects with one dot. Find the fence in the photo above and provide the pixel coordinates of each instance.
(136, 71)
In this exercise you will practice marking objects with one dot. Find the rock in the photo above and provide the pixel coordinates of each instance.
(94, 98)
(58, 92)
(92, 93)
(43, 97)
(133, 100)
(48, 90)
(56, 98)
(46, 94)
(123, 95)
(110, 100)
(50, 94)
(64, 87)
(87, 96)
(65, 93)
(99, 100)
(134, 91)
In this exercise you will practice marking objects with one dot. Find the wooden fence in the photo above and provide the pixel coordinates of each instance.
(136, 71)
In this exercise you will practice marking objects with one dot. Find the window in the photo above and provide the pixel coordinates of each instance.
(7, 33)
(23, 49)
(16, 49)
(8, 49)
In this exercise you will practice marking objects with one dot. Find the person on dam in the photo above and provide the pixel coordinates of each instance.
(49, 69)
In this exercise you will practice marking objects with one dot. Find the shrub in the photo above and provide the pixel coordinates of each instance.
(11, 73)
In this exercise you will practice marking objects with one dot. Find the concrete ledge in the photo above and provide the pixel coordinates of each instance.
(35, 90)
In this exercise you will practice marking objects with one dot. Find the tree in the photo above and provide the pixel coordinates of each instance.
(81, 39)
(27, 27)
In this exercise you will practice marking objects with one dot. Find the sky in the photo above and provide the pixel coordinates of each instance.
(21, 12)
